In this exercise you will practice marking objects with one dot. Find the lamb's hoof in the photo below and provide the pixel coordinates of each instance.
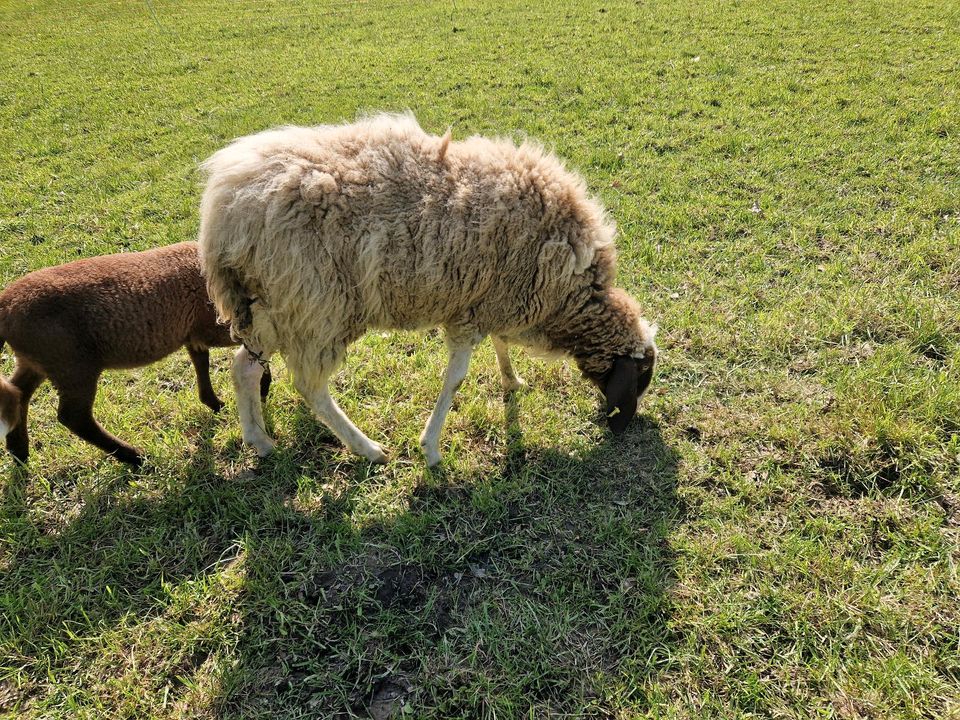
(19, 452)
(133, 458)
(215, 405)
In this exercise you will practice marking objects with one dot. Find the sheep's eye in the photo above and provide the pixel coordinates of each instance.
(644, 374)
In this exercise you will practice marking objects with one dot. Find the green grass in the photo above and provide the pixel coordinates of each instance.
(777, 536)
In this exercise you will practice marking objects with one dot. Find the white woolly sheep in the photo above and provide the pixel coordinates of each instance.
(311, 236)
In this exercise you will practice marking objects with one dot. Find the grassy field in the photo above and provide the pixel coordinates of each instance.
(776, 536)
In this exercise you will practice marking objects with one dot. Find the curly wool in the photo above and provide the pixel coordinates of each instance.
(376, 224)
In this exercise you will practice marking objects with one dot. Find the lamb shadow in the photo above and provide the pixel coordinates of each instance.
(116, 558)
(541, 587)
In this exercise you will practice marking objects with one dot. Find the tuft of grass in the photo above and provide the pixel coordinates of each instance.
(776, 536)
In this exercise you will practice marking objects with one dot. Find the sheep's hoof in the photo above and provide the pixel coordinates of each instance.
(430, 447)
(264, 445)
(432, 455)
(376, 453)
(516, 385)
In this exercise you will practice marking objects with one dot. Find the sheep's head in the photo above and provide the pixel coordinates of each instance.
(622, 358)
(623, 387)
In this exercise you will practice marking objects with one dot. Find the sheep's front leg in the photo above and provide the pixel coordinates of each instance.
(511, 381)
(456, 371)
(247, 373)
(334, 418)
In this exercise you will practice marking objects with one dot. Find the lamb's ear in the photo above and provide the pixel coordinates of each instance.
(621, 393)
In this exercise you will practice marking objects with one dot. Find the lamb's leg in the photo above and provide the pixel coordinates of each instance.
(334, 418)
(200, 357)
(456, 371)
(76, 413)
(511, 381)
(27, 381)
(246, 373)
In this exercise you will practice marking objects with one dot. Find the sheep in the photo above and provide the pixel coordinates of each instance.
(310, 236)
(71, 322)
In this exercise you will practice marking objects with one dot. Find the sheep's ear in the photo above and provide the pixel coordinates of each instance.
(621, 393)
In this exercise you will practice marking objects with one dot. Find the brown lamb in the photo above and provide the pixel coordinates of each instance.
(71, 322)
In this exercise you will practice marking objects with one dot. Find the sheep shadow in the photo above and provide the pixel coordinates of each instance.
(538, 588)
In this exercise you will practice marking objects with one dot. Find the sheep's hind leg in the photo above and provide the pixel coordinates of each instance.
(511, 381)
(334, 418)
(75, 412)
(247, 373)
(200, 357)
(27, 381)
(456, 371)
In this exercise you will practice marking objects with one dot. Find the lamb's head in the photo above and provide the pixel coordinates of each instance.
(9, 407)
(618, 355)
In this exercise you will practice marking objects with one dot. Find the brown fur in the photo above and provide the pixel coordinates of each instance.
(71, 322)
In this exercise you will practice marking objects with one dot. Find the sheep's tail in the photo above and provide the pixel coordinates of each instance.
(223, 283)
(227, 238)
(232, 299)
(220, 247)
(229, 296)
